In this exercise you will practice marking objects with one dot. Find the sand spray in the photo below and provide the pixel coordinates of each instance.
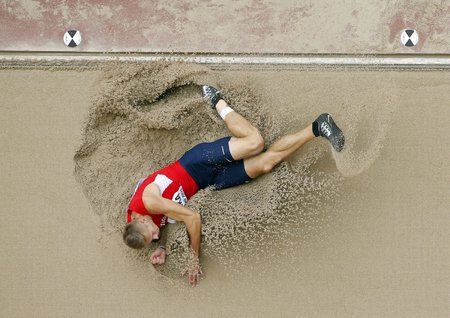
(147, 115)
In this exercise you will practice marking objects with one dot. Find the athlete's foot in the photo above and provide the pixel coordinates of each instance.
(211, 95)
(326, 127)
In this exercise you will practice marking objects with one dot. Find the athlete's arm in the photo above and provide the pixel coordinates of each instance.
(158, 257)
(154, 202)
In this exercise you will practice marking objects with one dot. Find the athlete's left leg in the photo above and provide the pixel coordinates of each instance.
(247, 140)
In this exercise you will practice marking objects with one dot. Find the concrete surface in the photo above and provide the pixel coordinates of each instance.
(35, 60)
(290, 26)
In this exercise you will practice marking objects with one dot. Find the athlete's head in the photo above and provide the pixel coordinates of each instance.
(140, 232)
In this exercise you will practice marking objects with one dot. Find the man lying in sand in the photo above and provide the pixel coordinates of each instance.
(223, 163)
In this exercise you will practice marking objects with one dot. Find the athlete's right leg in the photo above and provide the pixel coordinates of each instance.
(247, 140)
(280, 150)
(323, 126)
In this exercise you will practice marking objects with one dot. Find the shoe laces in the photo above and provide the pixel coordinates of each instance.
(325, 129)
(208, 91)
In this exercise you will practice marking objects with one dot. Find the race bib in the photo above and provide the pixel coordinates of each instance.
(180, 197)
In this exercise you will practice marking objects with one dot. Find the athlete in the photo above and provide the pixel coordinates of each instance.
(160, 198)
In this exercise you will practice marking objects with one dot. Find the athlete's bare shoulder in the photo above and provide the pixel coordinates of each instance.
(149, 194)
(151, 190)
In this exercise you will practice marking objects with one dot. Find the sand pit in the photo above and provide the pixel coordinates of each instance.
(146, 116)
(362, 233)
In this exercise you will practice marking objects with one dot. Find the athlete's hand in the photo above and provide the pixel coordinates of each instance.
(158, 257)
(195, 273)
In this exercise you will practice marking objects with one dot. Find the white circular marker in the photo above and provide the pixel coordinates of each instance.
(409, 37)
(72, 38)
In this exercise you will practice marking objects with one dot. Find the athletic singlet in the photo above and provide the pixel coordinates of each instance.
(175, 184)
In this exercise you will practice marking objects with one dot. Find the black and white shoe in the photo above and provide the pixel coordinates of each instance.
(211, 95)
(326, 127)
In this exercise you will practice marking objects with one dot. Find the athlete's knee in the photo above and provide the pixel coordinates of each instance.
(267, 167)
(256, 142)
(267, 163)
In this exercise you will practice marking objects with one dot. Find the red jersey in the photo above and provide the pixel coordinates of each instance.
(175, 184)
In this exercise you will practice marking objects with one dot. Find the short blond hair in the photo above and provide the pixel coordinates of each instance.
(132, 237)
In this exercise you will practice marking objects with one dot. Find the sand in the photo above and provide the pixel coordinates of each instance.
(364, 232)
(146, 116)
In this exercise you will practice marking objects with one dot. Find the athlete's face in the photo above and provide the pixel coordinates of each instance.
(147, 228)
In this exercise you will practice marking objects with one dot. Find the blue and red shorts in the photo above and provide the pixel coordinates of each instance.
(211, 163)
